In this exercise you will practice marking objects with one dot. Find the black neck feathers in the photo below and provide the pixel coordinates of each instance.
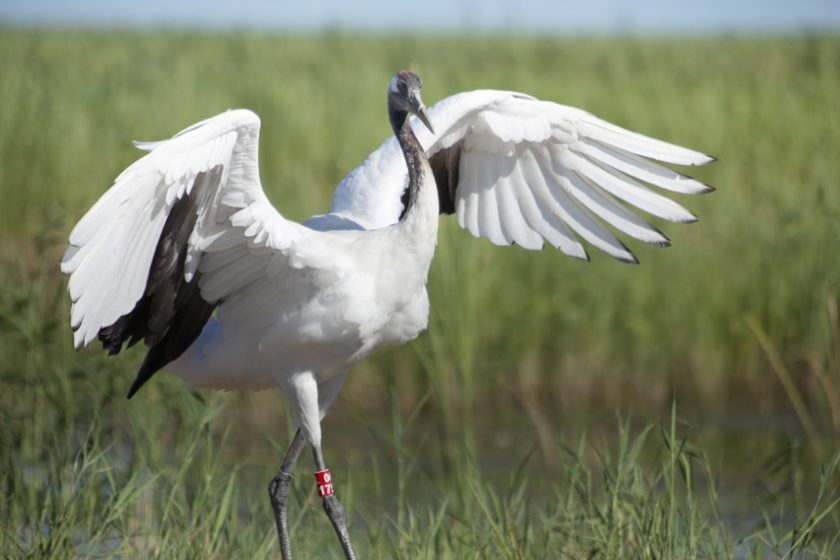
(413, 153)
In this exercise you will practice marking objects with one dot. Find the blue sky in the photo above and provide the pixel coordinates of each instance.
(538, 16)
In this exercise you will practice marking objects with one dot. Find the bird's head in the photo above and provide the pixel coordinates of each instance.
(404, 96)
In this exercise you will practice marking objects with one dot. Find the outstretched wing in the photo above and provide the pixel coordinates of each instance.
(135, 259)
(519, 170)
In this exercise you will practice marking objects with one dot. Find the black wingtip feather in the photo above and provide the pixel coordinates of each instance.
(712, 159)
(661, 244)
(583, 258)
(586, 257)
(631, 258)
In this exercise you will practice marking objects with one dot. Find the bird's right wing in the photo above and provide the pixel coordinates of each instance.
(515, 169)
(182, 229)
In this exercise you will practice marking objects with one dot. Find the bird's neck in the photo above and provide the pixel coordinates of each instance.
(420, 216)
(412, 152)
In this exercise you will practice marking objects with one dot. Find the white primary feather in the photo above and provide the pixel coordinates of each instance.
(510, 197)
(637, 167)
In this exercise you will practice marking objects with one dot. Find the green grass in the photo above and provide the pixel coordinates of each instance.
(508, 453)
(649, 495)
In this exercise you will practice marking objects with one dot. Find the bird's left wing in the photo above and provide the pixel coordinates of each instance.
(182, 229)
(519, 170)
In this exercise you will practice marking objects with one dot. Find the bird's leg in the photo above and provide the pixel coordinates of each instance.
(278, 491)
(333, 508)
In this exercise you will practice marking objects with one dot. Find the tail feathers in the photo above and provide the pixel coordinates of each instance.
(153, 362)
(190, 316)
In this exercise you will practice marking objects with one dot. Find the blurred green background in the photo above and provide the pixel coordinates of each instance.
(449, 443)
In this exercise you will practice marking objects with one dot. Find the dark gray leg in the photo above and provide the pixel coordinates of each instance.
(278, 490)
(335, 511)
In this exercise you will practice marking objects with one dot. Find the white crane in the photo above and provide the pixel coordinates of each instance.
(185, 251)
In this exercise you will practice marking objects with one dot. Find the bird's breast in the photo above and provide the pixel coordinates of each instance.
(407, 322)
(392, 307)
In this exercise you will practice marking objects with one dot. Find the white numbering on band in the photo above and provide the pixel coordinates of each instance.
(325, 485)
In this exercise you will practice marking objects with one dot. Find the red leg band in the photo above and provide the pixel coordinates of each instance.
(325, 485)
